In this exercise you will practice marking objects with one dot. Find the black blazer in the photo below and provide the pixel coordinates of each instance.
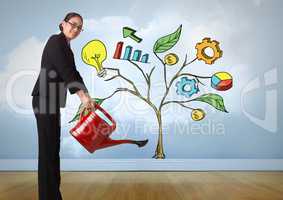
(58, 71)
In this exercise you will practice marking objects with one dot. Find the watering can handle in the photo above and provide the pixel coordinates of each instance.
(83, 110)
(81, 113)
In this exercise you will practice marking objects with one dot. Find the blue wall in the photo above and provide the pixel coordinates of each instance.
(251, 43)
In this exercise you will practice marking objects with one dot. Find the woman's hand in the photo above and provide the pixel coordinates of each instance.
(88, 103)
(86, 100)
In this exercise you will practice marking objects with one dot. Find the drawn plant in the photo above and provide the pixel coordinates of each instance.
(187, 84)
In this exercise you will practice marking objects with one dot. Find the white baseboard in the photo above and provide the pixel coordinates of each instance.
(149, 164)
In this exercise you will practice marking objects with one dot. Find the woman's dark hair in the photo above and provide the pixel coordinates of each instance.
(68, 17)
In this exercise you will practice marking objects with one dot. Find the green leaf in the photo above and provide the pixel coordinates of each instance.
(97, 100)
(77, 115)
(214, 100)
(167, 42)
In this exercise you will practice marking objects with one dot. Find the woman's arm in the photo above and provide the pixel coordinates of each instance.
(86, 100)
(63, 62)
(66, 68)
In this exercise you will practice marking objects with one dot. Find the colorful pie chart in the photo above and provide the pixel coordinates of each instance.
(221, 81)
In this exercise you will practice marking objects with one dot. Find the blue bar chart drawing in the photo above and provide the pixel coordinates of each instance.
(128, 52)
(145, 58)
(137, 54)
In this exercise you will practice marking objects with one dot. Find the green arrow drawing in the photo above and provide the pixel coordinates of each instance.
(129, 32)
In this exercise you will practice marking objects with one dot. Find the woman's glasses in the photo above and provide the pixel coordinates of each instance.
(75, 26)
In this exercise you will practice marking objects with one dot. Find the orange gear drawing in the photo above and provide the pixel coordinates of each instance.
(207, 43)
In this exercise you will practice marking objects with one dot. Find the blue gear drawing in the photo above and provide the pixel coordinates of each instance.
(183, 83)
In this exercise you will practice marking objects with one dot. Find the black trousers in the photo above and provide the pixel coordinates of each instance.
(48, 127)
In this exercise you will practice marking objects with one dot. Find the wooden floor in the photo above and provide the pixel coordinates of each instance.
(150, 185)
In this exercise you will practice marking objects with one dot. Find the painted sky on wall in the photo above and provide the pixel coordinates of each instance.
(249, 33)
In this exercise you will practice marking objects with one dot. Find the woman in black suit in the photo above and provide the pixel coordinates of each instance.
(57, 74)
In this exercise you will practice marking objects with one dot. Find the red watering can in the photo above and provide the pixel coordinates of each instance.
(93, 131)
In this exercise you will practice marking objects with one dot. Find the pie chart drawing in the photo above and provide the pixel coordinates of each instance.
(221, 81)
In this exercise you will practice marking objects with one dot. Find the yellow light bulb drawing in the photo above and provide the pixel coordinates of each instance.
(94, 53)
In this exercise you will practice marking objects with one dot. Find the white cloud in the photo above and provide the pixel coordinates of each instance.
(109, 29)
(19, 75)
(257, 3)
